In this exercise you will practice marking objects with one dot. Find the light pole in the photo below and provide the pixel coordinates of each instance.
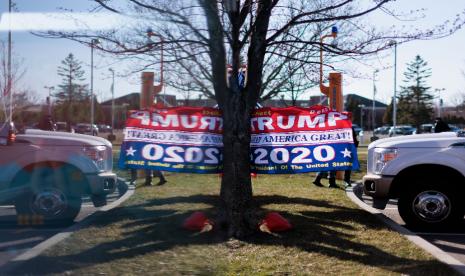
(93, 42)
(440, 100)
(112, 99)
(373, 117)
(157, 88)
(9, 80)
(49, 98)
(394, 100)
(362, 106)
(334, 90)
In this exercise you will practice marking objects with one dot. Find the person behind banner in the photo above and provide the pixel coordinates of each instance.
(148, 177)
(154, 173)
(347, 173)
(332, 179)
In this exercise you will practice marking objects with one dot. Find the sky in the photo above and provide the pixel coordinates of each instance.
(446, 57)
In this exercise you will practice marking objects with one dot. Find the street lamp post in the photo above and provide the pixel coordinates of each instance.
(49, 98)
(373, 117)
(362, 106)
(93, 42)
(149, 90)
(394, 100)
(440, 100)
(9, 79)
(112, 99)
(334, 90)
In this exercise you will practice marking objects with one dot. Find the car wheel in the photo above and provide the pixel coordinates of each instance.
(48, 199)
(430, 207)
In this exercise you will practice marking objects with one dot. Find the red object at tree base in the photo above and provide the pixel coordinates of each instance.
(274, 222)
(198, 221)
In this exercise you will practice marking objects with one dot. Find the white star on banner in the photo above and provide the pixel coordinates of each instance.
(130, 151)
(346, 153)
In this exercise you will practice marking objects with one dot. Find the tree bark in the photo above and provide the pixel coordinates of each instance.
(237, 212)
(236, 186)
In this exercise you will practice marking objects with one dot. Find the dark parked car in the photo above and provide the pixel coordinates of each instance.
(384, 130)
(61, 126)
(425, 128)
(454, 128)
(357, 129)
(86, 129)
(104, 128)
(402, 130)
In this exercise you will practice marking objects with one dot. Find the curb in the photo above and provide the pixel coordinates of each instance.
(41, 247)
(411, 236)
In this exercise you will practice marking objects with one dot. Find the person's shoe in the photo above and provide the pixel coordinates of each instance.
(147, 184)
(348, 183)
(162, 182)
(317, 183)
(332, 183)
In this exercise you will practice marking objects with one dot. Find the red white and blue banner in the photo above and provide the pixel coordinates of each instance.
(283, 141)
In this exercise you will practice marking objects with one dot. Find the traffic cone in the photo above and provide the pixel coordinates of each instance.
(198, 221)
(274, 222)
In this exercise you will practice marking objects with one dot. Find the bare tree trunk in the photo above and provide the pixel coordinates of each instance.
(236, 186)
(237, 208)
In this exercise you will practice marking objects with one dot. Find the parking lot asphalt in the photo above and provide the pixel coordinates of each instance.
(16, 239)
(451, 241)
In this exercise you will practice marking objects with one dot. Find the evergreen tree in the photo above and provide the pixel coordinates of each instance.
(352, 105)
(415, 103)
(72, 96)
(387, 117)
(72, 73)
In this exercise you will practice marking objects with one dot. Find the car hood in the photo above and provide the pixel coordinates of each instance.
(430, 140)
(57, 138)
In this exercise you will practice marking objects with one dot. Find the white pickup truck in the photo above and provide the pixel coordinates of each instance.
(426, 173)
(46, 173)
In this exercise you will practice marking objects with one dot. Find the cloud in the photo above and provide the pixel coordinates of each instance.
(63, 21)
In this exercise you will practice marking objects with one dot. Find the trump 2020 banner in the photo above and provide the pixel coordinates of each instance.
(177, 139)
(298, 140)
(283, 140)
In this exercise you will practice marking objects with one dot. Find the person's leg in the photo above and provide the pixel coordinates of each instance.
(148, 177)
(133, 176)
(347, 177)
(318, 177)
(332, 179)
(160, 175)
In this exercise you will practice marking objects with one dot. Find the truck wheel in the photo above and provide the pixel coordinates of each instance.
(48, 200)
(430, 207)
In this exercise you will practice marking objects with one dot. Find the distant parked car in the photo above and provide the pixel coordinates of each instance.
(425, 128)
(402, 130)
(86, 129)
(61, 126)
(104, 128)
(357, 129)
(384, 130)
(454, 128)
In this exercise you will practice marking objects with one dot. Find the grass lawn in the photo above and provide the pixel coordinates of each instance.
(144, 236)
